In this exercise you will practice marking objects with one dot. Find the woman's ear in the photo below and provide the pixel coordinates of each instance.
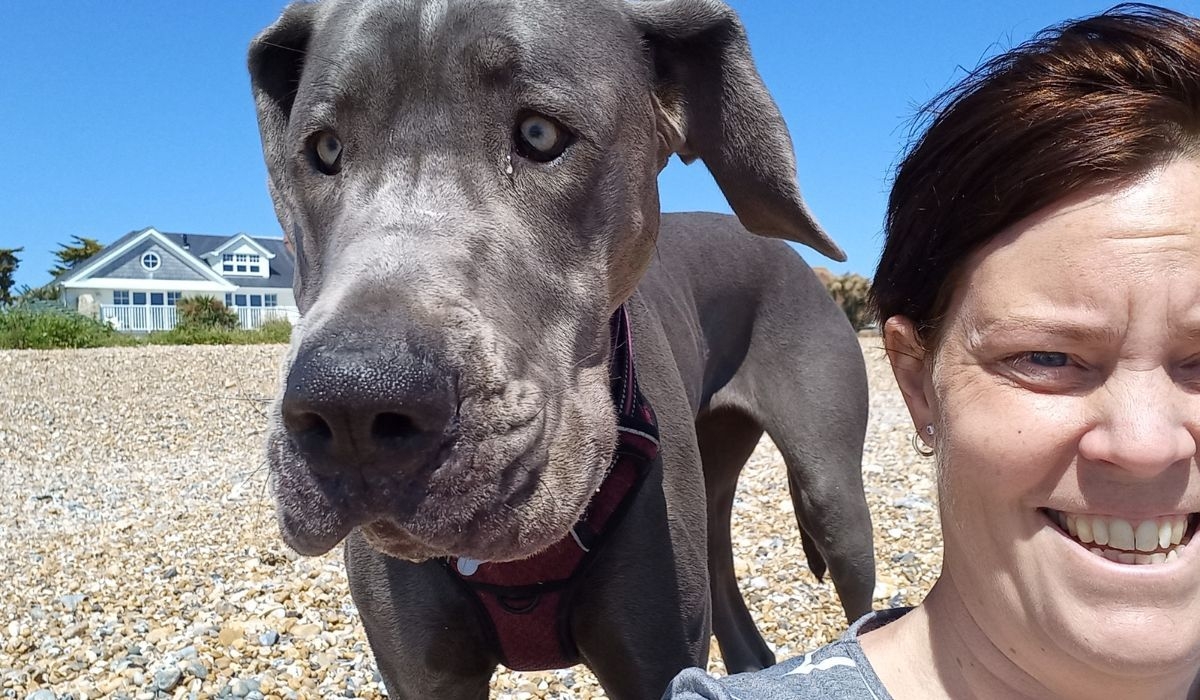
(908, 358)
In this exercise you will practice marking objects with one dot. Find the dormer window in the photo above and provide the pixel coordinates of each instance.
(241, 263)
(151, 261)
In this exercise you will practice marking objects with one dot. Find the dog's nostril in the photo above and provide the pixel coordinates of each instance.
(310, 429)
(393, 426)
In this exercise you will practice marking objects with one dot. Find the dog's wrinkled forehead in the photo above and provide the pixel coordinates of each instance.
(389, 52)
(437, 82)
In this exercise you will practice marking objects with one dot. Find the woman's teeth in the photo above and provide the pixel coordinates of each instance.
(1154, 541)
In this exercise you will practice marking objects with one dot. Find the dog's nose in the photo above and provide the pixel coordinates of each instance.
(347, 408)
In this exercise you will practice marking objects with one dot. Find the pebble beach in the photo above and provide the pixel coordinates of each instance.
(140, 557)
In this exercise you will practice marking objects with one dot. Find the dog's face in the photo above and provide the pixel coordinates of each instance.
(469, 188)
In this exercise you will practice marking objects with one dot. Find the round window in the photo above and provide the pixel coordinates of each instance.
(151, 261)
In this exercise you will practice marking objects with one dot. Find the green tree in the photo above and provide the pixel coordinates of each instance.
(71, 254)
(8, 267)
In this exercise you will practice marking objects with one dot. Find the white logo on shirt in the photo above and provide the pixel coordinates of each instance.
(807, 666)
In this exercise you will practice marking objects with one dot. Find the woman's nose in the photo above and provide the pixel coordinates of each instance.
(1144, 423)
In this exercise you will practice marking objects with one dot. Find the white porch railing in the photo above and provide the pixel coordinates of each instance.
(138, 319)
(145, 319)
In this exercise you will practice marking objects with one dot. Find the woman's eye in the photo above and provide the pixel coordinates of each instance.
(1049, 359)
(1189, 370)
(1042, 364)
(540, 138)
(326, 150)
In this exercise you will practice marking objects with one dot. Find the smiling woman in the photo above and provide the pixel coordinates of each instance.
(1040, 283)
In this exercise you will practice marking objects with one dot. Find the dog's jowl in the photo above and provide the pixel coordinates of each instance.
(520, 395)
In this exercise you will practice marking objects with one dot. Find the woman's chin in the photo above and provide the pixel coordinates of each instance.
(1133, 644)
(1119, 619)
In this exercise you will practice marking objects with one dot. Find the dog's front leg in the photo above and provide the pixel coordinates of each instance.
(642, 613)
(423, 629)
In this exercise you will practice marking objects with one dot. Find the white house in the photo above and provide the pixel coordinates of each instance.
(134, 282)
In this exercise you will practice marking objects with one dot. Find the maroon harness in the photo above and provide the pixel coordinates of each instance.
(526, 604)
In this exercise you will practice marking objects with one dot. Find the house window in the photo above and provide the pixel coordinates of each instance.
(239, 299)
(228, 300)
(256, 300)
(151, 261)
(157, 299)
(139, 298)
(255, 268)
(173, 297)
(227, 262)
(270, 300)
(121, 297)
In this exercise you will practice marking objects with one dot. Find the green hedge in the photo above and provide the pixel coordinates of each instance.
(54, 327)
(44, 329)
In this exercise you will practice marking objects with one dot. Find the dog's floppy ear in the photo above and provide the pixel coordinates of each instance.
(713, 106)
(276, 62)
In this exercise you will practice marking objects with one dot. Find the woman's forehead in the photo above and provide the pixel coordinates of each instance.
(1096, 249)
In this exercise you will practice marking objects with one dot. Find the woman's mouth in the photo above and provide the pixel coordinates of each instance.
(1151, 541)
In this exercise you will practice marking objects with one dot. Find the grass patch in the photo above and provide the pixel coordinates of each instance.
(199, 335)
(276, 331)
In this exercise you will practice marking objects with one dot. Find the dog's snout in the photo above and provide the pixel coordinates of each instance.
(348, 409)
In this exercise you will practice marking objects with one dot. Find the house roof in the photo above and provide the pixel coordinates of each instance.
(281, 266)
(240, 238)
(196, 246)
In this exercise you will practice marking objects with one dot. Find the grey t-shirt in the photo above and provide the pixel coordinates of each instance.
(839, 670)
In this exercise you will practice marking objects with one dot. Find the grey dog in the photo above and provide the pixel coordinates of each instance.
(470, 191)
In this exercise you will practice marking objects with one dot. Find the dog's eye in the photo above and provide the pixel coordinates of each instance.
(541, 138)
(326, 150)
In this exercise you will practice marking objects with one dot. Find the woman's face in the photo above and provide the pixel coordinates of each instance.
(1065, 394)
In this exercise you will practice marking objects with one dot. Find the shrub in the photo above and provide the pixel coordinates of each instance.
(51, 326)
(204, 312)
(852, 293)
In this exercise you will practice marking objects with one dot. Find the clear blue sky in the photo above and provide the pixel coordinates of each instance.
(115, 116)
